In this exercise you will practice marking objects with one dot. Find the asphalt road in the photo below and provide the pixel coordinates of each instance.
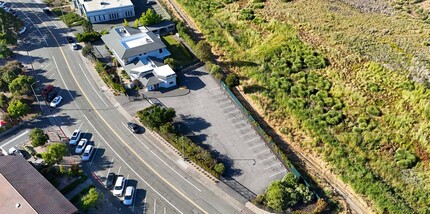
(162, 185)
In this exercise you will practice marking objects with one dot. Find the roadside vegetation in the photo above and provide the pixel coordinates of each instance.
(10, 25)
(160, 119)
(179, 53)
(334, 80)
(15, 93)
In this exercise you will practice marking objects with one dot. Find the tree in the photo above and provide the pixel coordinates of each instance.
(286, 193)
(219, 168)
(87, 26)
(38, 137)
(9, 75)
(150, 17)
(87, 50)
(125, 24)
(172, 63)
(90, 200)
(21, 85)
(4, 100)
(55, 153)
(232, 80)
(156, 116)
(203, 50)
(136, 23)
(17, 109)
(9, 25)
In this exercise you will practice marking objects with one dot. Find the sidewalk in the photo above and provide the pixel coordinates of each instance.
(78, 189)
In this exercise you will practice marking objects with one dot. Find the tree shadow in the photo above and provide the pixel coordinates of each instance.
(188, 124)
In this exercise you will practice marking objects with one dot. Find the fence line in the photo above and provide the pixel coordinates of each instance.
(268, 140)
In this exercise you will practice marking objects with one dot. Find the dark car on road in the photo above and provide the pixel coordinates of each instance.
(133, 127)
(70, 39)
(51, 96)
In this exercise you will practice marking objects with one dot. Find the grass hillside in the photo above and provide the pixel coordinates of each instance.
(347, 84)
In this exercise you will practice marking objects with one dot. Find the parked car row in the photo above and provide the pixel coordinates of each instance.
(51, 96)
(82, 145)
(117, 183)
(118, 188)
(7, 7)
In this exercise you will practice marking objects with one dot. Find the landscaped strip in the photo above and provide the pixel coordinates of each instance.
(73, 185)
(353, 111)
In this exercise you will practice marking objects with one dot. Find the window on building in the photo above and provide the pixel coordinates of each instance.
(170, 83)
(161, 50)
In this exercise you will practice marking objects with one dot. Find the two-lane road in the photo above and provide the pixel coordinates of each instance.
(165, 184)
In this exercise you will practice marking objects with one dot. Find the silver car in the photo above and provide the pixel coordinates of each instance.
(81, 146)
(128, 196)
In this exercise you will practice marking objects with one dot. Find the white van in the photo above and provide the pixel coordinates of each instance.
(119, 186)
(87, 153)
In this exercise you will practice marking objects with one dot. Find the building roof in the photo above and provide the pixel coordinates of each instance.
(160, 25)
(149, 80)
(128, 42)
(96, 5)
(164, 71)
(30, 186)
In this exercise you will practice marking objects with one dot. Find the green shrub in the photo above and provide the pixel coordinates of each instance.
(373, 110)
(219, 168)
(72, 19)
(247, 14)
(88, 36)
(405, 159)
(232, 80)
(38, 137)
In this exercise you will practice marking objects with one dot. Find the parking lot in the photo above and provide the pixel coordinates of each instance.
(213, 119)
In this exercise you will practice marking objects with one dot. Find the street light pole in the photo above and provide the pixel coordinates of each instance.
(35, 95)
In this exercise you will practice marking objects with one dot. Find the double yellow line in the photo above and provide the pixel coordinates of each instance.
(107, 124)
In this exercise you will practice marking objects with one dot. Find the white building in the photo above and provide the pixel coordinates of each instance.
(141, 54)
(105, 10)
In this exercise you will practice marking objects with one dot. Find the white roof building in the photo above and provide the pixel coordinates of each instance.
(105, 10)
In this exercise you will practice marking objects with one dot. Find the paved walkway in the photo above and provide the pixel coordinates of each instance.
(79, 188)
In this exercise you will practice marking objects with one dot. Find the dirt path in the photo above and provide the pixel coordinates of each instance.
(314, 165)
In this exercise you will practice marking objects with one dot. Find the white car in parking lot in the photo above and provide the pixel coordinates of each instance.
(76, 136)
(81, 145)
(128, 196)
(22, 30)
(57, 100)
(87, 153)
(119, 186)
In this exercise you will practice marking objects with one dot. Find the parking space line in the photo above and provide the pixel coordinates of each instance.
(51, 76)
(119, 170)
(277, 164)
(110, 167)
(248, 133)
(155, 205)
(285, 170)
(267, 150)
(80, 125)
(94, 155)
(134, 171)
(252, 140)
(37, 28)
(258, 145)
(160, 158)
(269, 158)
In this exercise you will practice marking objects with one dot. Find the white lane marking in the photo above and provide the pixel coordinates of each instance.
(160, 158)
(110, 167)
(269, 158)
(278, 164)
(13, 139)
(62, 79)
(119, 170)
(94, 154)
(80, 125)
(37, 28)
(258, 145)
(164, 210)
(268, 150)
(278, 173)
(92, 86)
(51, 76)
(153, 189)
(155, 205)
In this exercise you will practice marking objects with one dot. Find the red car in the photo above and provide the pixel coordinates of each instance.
(47, 89)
